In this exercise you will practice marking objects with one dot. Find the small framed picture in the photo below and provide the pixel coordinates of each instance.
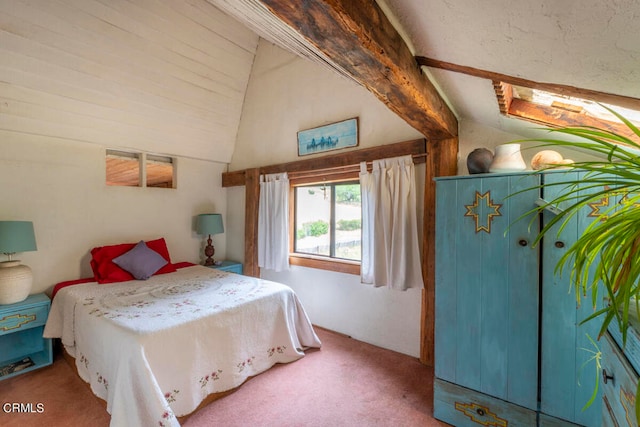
(329, 137)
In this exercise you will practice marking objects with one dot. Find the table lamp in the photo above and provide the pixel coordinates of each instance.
(15, 278)
(208, 224)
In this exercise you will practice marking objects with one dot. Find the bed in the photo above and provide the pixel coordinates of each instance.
(155, 349)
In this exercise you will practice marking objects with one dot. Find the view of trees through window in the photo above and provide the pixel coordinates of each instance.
(329, 220)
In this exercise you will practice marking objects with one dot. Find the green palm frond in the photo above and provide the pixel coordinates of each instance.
(603, 259)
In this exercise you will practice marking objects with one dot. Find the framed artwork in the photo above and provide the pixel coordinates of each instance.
(329, 137)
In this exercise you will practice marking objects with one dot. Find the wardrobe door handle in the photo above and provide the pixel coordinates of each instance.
(605, 377)
(523, 242)
(559, 244)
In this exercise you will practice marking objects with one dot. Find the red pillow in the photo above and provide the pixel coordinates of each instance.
(105, 271)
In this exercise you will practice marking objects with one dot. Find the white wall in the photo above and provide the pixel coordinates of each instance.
(76, 78)
(60, 186)
(474, 135)
(287, 94)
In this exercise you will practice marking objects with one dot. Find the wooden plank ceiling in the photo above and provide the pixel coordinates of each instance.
(156, 76)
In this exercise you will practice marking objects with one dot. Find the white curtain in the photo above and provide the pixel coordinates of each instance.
(273, 222)
(390, 252)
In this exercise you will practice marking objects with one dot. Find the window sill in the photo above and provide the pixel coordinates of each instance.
(331, 264)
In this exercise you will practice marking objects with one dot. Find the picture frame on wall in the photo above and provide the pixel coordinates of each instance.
(329, 137)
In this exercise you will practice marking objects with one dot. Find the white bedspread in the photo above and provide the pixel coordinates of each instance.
(155, 349)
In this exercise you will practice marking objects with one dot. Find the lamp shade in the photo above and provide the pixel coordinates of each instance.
(209, 224)
(17, 236)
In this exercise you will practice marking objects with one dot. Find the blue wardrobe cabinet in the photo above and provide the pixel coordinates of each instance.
(508, 347)
(620, 367)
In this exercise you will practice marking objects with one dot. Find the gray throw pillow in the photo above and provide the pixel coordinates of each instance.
(141, 261)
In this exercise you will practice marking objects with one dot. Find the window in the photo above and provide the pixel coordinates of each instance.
(123, 168)
(328, 220)
(159, 171)
(139, 170)
(558, 110)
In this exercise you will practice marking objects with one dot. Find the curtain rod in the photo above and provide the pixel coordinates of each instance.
(417, 158)
(416, 148)
(339, 172)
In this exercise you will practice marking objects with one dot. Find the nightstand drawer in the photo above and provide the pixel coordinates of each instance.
(22, 347)
(230, 266)
(23, 319)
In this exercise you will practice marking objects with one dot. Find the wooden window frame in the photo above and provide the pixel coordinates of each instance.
(318, 261)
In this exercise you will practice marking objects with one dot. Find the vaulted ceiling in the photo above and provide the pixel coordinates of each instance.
(590, 44)
(169, 77)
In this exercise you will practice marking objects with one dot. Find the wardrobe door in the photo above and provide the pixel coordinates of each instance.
(568, 367)
(487, 286)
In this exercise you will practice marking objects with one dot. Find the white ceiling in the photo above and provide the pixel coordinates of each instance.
(591, 44)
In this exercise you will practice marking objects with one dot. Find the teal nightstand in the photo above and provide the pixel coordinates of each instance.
(230, 266)
(22, 348)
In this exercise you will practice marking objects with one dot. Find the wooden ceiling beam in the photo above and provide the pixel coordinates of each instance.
(357, 36)
(415, 147)
(504, 93)
(607, 98)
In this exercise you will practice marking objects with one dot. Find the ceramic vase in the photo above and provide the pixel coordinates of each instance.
(15, 282)
(507, 158)
(479, 160)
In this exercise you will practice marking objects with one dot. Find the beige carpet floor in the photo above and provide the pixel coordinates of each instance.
(346, 383)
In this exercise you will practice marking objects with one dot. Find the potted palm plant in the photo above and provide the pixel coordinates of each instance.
(605, 257)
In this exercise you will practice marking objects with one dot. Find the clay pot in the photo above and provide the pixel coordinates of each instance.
(479, 160)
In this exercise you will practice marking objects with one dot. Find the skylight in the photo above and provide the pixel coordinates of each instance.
(564, 110)
(575, 104)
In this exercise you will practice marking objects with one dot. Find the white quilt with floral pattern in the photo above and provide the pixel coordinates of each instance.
(154, 349)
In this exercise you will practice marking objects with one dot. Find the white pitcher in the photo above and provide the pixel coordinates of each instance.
(507, 158)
